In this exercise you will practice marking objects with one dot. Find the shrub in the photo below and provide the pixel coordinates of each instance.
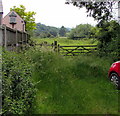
(108, 36)
(111, 50)
(18, 90)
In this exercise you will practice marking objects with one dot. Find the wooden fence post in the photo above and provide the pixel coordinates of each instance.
(58, 48)
(55, 46)
(52, 45)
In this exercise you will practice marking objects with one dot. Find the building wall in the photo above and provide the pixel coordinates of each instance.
(20, 24)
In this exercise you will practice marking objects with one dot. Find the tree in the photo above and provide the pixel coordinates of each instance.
(108, 36)
(101, 11)
(28, 17)
(81, 31)
(44, 31)
(108, 31)
(62, 31)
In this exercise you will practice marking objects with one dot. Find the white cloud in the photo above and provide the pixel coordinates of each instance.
(52, 12)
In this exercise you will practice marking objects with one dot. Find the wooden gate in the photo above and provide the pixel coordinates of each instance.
(76, 50)
(70, 50)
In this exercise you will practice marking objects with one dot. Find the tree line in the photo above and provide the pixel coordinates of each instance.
(43, 31)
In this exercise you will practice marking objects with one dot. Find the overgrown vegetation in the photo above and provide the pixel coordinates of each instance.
(65, 85)
(108, 35)
(38, 82)
(74, 85)
(18, 90)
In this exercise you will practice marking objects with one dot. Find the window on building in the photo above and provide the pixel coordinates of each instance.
(12, 18)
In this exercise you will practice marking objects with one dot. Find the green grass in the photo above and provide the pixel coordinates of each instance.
(66, 41)
(72, 85)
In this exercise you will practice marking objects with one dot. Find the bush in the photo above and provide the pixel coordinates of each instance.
(111, 50)
(81, 31)
(17, 87)
(108, 36)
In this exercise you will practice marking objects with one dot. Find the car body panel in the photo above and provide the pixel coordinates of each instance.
(115, 67)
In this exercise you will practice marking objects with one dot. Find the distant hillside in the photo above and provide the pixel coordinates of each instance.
(44, 31)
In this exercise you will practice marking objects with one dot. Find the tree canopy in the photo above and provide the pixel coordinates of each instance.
(101, 11)
(62, 31)
(81, 31)
(28, 17)
(107, 32)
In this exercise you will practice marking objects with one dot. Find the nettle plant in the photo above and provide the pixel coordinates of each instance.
(18, 90)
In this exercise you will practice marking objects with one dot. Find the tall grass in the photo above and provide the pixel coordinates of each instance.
(65, 85)
(74, 85)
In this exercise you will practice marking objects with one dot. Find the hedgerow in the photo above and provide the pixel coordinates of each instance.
(18, 90)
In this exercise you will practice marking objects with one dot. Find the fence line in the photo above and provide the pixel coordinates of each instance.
(72, 50)
(12, 39)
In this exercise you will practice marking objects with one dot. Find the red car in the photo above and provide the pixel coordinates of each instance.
(114, 73)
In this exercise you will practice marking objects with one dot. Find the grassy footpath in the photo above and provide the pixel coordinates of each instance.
(65, 85)
(74, 85)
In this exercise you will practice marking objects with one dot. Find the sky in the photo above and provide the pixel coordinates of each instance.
(52, 12)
